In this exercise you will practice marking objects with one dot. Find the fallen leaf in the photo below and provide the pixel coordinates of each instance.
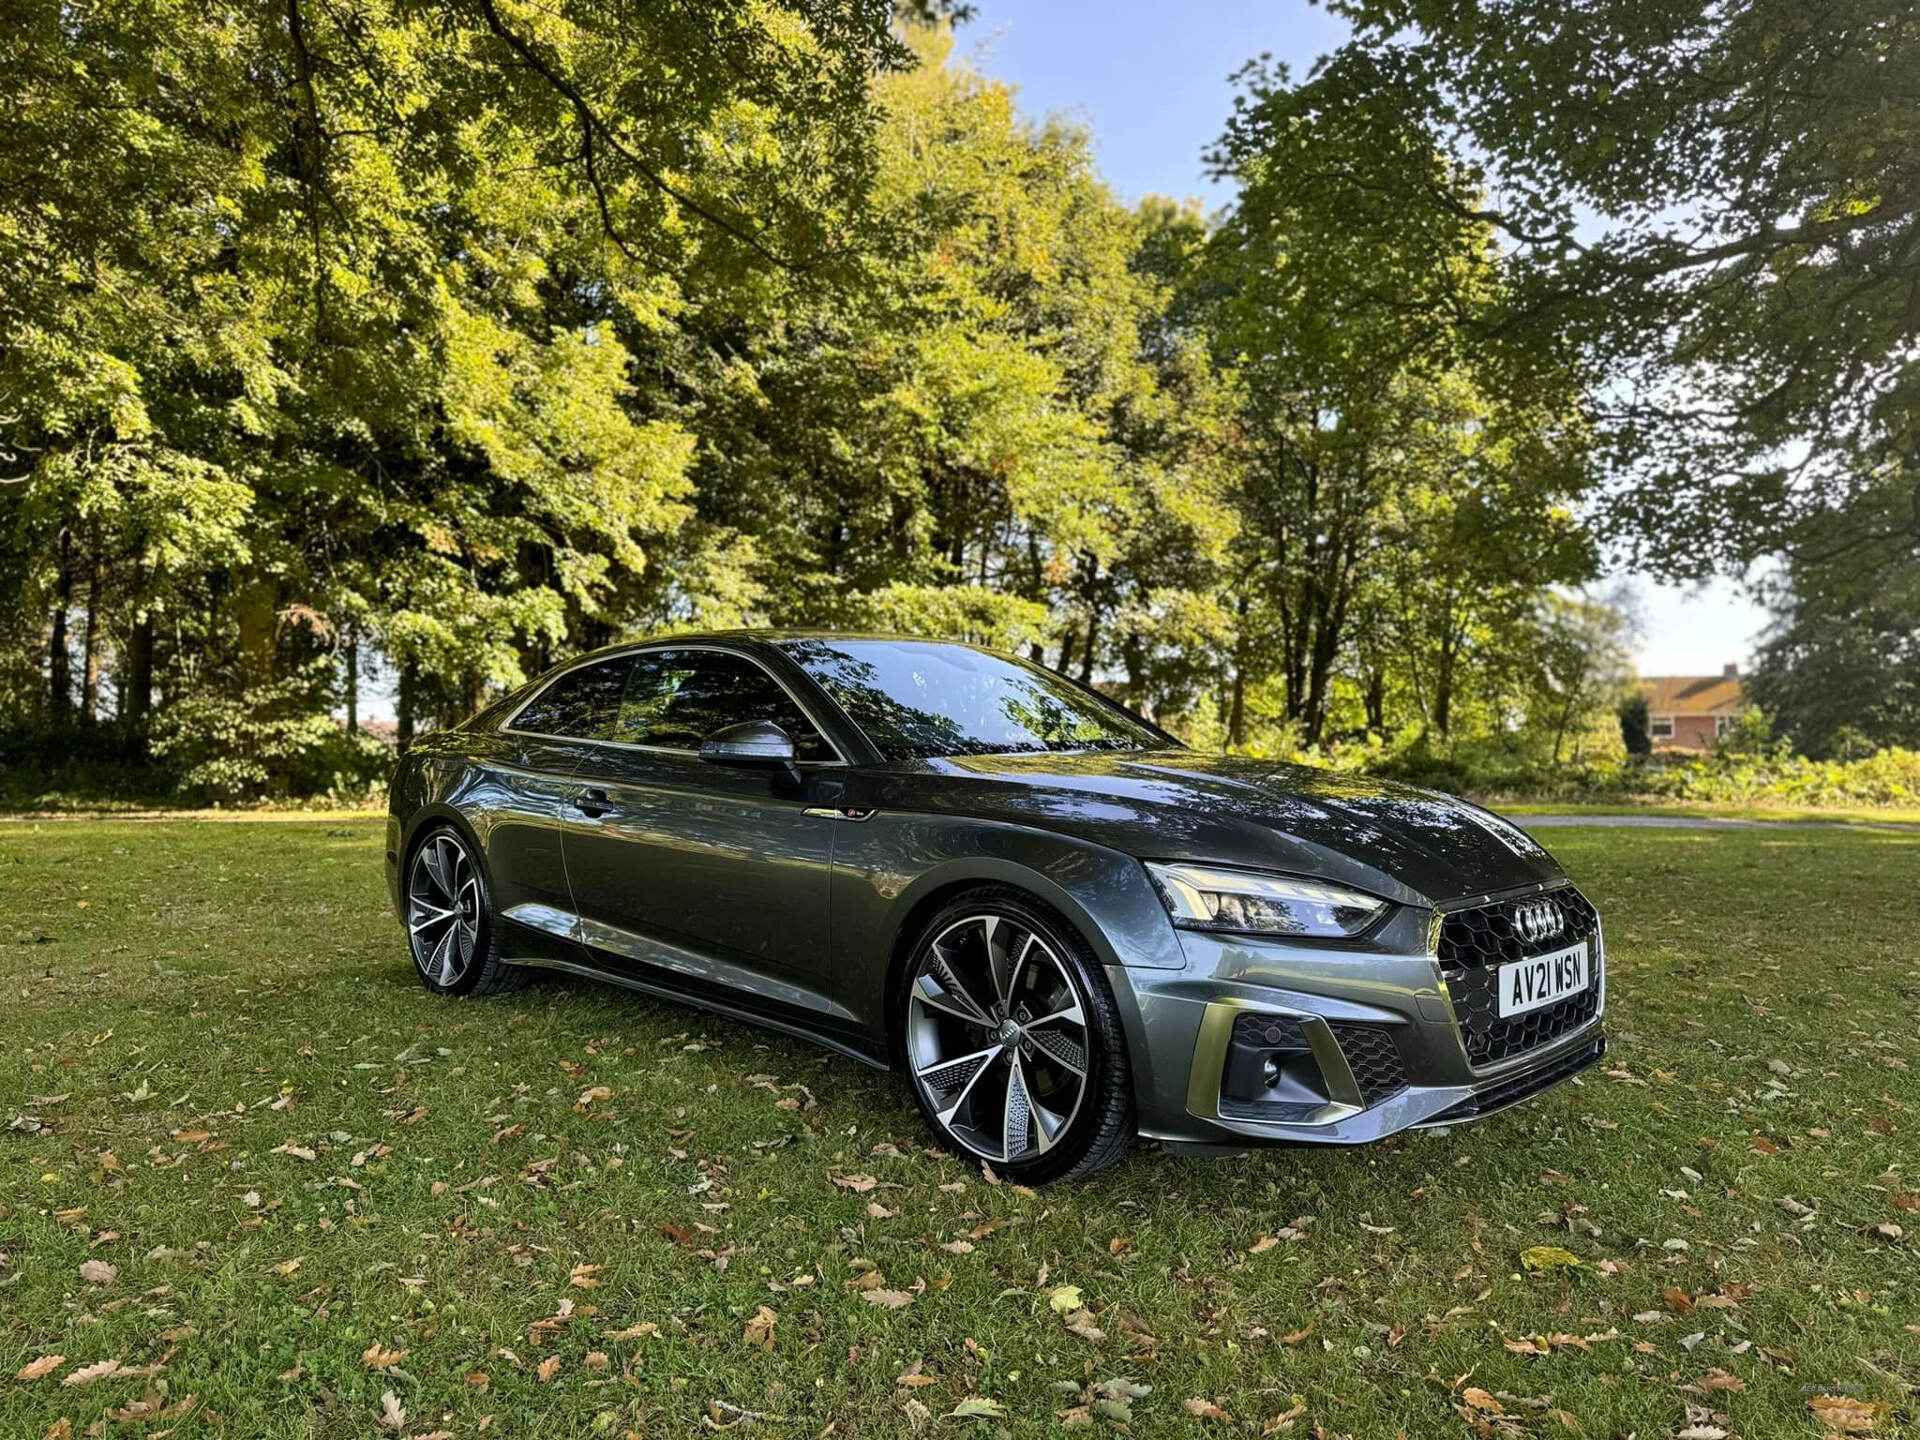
(393, 1415)
(1064, 1298)
(379, 1358)
(98, 1272)
(888, 1299)
(859, 1184)
(978, 1407)
(1844, 1415)
(38, 1369)
(87, 1374)
(582, 1277)
(1481, 1400)
(1204, 1409)
(547, 1368)
(1548, 1257)
(759, 1329)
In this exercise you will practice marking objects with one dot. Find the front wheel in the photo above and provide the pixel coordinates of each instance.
(1013, 1040)
(450, 929)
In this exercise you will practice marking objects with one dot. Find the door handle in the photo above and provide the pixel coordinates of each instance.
(593, 802)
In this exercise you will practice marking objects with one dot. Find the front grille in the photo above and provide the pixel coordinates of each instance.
(1374, 1059)
(1511, 1092)
(1474, 943)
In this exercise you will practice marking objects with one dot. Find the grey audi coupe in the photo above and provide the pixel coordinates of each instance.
(1065, 927)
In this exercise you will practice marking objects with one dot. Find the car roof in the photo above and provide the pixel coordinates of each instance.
(780, 639)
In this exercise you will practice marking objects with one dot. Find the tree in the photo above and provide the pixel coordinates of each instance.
(327, 322)
(1635, 732)
(1840, 662)
(1381, 438)
(1716, 204)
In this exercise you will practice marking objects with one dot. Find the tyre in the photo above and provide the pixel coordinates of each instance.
(1012, 1040)
(449, 915)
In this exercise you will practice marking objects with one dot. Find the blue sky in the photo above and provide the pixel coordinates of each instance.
(1150, 79)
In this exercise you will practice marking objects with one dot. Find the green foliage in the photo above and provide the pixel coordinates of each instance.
(380, 346)
(1839, 669)
(1712, 205)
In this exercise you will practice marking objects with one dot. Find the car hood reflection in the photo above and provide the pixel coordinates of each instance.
(1238, 809)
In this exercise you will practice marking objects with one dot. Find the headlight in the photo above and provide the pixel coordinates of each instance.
(1203, 897)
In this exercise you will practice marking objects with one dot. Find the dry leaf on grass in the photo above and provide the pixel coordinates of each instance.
(582, 1277)
(547, 1368)
(1844, 1415)
(98, 1272)
(87, 1374)
(888, 1299)
(393, 1415)
(378, 1358)
(37, 1369)
(759, 1329)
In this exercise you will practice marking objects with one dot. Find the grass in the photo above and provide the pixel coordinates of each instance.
(251, 1162)
(1845, 815)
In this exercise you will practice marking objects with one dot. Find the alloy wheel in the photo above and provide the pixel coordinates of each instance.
(444, 910)
(997, 1037)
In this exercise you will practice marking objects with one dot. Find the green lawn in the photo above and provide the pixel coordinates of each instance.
(247, 1160)
(1801, 814)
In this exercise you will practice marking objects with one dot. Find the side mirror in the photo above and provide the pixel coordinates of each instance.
(751, 743)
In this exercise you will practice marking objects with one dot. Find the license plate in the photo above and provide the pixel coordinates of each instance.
(1543, 980)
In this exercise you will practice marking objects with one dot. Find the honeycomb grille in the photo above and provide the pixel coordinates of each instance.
(1374, 1059)
(1251, 1027)
(1474, 943)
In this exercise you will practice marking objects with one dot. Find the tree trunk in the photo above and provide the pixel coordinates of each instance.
(353, 682)
(59, 663)
(1086, 658)
(403, 709)
(90, 636)
(137, 684)
(1443, 685)
(1237, 707)
(1376, 700)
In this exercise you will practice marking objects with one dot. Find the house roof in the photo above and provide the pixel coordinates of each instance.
(1692, 694)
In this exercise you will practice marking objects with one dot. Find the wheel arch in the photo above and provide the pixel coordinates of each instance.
(934, 890)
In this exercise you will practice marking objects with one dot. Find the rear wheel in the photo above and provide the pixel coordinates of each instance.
(450, 929)
(1013, 1042)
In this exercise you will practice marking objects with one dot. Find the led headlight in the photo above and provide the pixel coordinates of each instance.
(1204, 897)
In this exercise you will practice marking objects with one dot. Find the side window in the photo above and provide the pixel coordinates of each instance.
(676, 698)
(583, 704)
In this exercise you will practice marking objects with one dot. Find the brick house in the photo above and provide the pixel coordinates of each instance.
(1687, 712)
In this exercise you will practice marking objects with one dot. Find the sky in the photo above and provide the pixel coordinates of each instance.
(1151, 80)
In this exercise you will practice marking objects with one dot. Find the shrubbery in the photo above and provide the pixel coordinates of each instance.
(1747, 768)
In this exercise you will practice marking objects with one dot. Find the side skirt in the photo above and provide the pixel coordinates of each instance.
(676, 994)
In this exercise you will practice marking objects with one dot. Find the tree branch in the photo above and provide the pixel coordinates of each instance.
(591, 125)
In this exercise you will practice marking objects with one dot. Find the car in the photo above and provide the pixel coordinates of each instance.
(1066, 928)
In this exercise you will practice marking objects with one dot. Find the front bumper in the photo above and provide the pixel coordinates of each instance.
(1372, 1033)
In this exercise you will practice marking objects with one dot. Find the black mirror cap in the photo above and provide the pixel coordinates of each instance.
(751, 742)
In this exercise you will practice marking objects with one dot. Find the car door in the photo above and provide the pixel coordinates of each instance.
(529, 763)
(716, 873)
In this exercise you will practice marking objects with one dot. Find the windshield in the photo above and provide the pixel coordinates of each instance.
(917, 699)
